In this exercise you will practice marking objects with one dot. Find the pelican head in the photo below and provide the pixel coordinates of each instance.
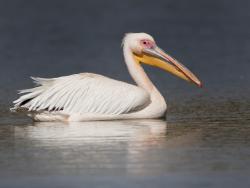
(145, 50)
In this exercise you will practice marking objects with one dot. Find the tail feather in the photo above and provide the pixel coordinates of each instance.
(22, 103)
(42, 81)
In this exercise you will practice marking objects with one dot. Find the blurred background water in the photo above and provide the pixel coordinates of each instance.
(205, 141)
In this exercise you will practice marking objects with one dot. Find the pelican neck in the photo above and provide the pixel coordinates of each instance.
(136, 71)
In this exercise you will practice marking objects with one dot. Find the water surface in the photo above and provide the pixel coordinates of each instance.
(209, 147)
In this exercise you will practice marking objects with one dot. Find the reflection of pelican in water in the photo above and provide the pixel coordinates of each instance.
(85, 96)
(130, 146)
(90, 147)
(92, 131)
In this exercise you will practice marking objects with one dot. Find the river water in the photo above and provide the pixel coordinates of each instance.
(205, 139)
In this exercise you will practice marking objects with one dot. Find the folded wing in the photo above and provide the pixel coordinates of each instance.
(82, 93)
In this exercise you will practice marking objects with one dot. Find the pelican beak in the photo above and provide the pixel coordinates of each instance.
(157, 57)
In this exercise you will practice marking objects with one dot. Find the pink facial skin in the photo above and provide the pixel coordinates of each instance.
(147, 43)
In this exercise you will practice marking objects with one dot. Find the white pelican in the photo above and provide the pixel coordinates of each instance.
(87, 96)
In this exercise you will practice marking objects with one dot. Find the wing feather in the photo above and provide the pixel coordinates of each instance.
(83, 93)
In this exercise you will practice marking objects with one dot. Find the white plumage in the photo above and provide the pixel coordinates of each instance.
(87, 96)
(81, 94)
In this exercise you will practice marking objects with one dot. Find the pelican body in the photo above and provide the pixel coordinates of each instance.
(87, 96)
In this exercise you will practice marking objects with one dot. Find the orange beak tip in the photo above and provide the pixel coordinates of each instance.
(200, 85)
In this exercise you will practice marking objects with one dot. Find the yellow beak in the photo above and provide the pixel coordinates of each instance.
(158, 58)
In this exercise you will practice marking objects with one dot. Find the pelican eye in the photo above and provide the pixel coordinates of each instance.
(147, 43)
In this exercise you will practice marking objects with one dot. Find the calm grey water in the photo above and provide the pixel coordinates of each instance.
(205, 141)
